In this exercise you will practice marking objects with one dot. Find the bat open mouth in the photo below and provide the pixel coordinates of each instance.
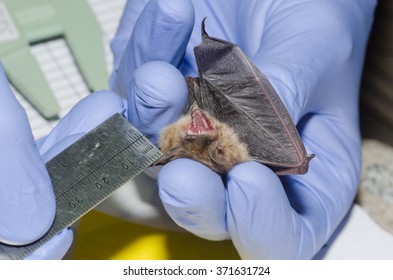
(200, 124)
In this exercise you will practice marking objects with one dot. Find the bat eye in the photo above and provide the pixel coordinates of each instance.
(217, 154)
(220, 153)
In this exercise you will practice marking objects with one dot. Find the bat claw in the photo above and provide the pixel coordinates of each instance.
(204, 33)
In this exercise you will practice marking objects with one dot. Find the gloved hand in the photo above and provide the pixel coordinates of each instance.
(312, 53)
(27, 203)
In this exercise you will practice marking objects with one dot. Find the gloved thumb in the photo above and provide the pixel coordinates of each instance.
(27, 203)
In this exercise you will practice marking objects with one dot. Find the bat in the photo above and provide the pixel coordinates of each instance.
(201, 137)
(234, 116)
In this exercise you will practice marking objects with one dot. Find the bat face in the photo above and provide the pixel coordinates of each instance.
(201, 137)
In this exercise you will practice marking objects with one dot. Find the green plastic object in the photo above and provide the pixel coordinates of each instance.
(25, 22)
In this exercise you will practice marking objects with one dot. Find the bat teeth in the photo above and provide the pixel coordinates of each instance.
(192, 132)
(205, 124)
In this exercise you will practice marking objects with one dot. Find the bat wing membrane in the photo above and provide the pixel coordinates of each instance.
(234, 91)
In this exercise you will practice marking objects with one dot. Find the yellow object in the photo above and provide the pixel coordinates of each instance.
(103, 237)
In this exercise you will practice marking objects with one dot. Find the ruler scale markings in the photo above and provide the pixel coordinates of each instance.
(81, 177)
(90, 170)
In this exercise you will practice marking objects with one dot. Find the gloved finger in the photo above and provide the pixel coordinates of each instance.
(131, 12)
(261, 221)
(161, 33)
(27, 203)
(194, 197)
(157, 97)
(86, 115)
(294, 217)
(255, 209)
(299, 55)
(55, 248)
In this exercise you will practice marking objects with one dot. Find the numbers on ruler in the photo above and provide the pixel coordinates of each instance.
(74, 203)
(127, 165)
(103, 181)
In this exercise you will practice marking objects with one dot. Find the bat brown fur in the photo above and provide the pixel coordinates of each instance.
(201, 137)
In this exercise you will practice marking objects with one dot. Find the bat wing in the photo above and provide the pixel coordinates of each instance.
(234, 91)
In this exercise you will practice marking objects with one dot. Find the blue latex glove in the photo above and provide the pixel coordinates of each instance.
(27, 203)
(312, 53)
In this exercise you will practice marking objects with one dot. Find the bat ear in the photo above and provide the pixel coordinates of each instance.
(218, 157)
